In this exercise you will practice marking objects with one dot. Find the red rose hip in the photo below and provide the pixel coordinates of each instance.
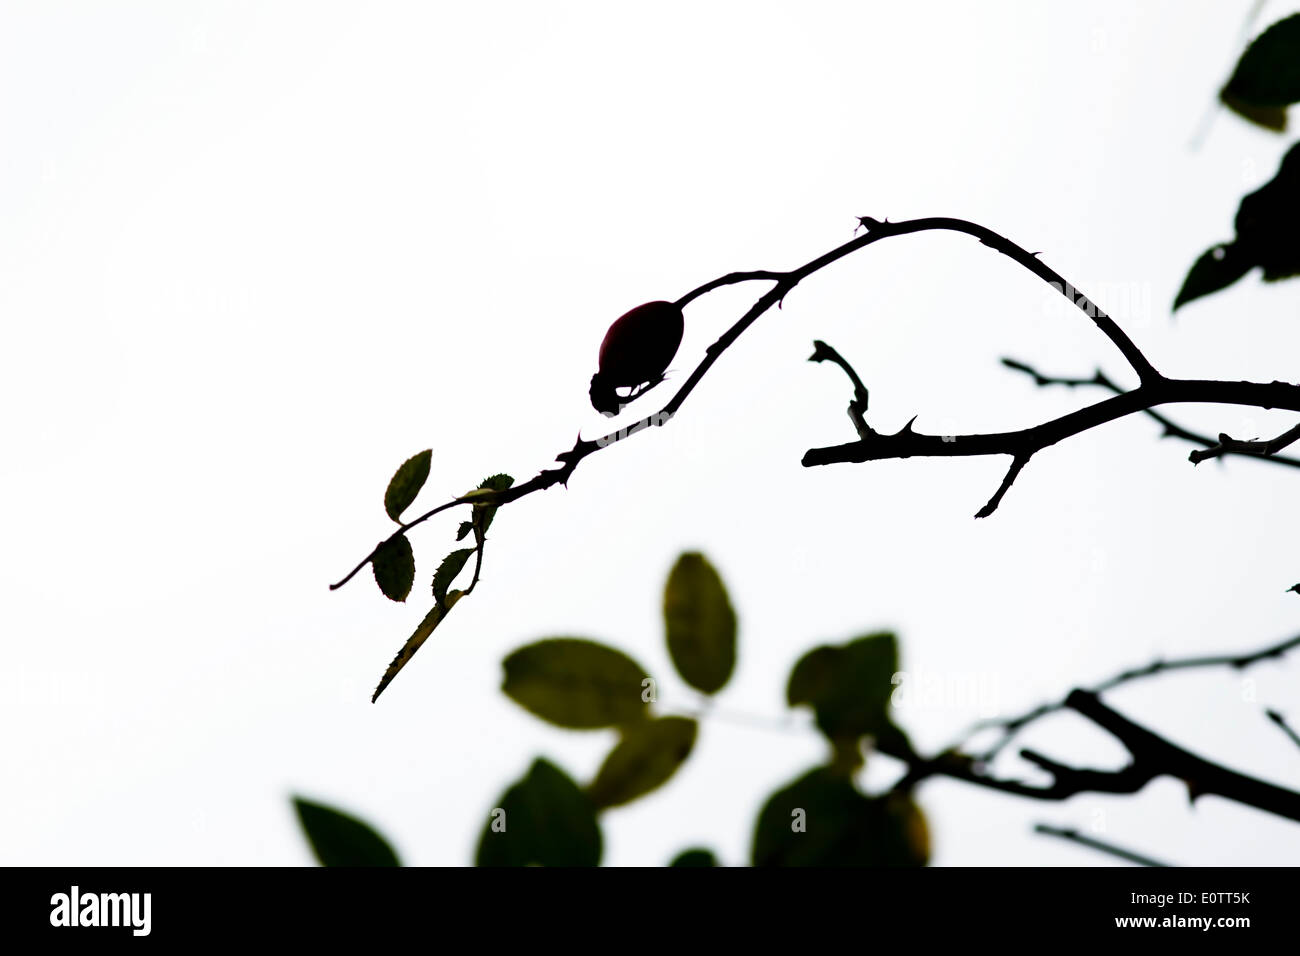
(636, 351)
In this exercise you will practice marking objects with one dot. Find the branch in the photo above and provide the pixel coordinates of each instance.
(1171, 429)
(1153, 756)
(1024, 444)
(1156, 756)
(1074, 836)
(1010, 726)
(783, 283)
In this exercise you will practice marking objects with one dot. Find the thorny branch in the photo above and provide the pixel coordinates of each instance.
(1217, 447)
(1154, 388)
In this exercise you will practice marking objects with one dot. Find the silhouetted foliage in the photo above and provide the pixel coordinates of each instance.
(822, 818)
(340, 839)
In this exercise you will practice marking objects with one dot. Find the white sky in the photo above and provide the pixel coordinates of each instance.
(253, 256)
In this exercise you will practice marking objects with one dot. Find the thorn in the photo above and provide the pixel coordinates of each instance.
(908, 427)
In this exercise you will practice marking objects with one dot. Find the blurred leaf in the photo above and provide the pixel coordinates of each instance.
(431, 620)
(451, 566)
(696, 856)
(406, 484)
(464, 529)
(848, 686)
(1216, 269)
(1268, 73)
(701, 624)
(1268, 235)
(394, 567)
(822, 820)
(339, 839)
(575, 683)
(813, 676)
(646, 757)
(544, 819)
(1268, 221)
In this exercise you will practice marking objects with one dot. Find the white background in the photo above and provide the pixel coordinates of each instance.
(253, 256)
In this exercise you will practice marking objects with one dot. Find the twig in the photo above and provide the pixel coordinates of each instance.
(1259, 449)
(858, 405)
(1278, 719)
(1074, 836)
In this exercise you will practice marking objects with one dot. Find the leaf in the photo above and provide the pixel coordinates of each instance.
(1267, 226)
(701, 624)
(695, 856)
(544, 820)
(1268, 235)
(431, 621)
(451, 566)
(1268, 73)
(1216, 269)
(394, 567)
(575, 683)
(406, 484)
(646, 757)
(464, 529)
(822, 820)
(339, 839)
(849, 686)
(497, 482)
(483, 514)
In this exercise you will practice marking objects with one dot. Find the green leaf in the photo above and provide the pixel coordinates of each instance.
(451, 566)
(497, 482)
(406, 484)
(646, 757)
(575, 683)
(695, 856)
(394, 567)
(464, 529)
(431, 621)
(849, 686)
(822, 820)
(1268, 73)
(339, 839)
(483, 514)
(701, 624)
(1216, 269)
(543, 820)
